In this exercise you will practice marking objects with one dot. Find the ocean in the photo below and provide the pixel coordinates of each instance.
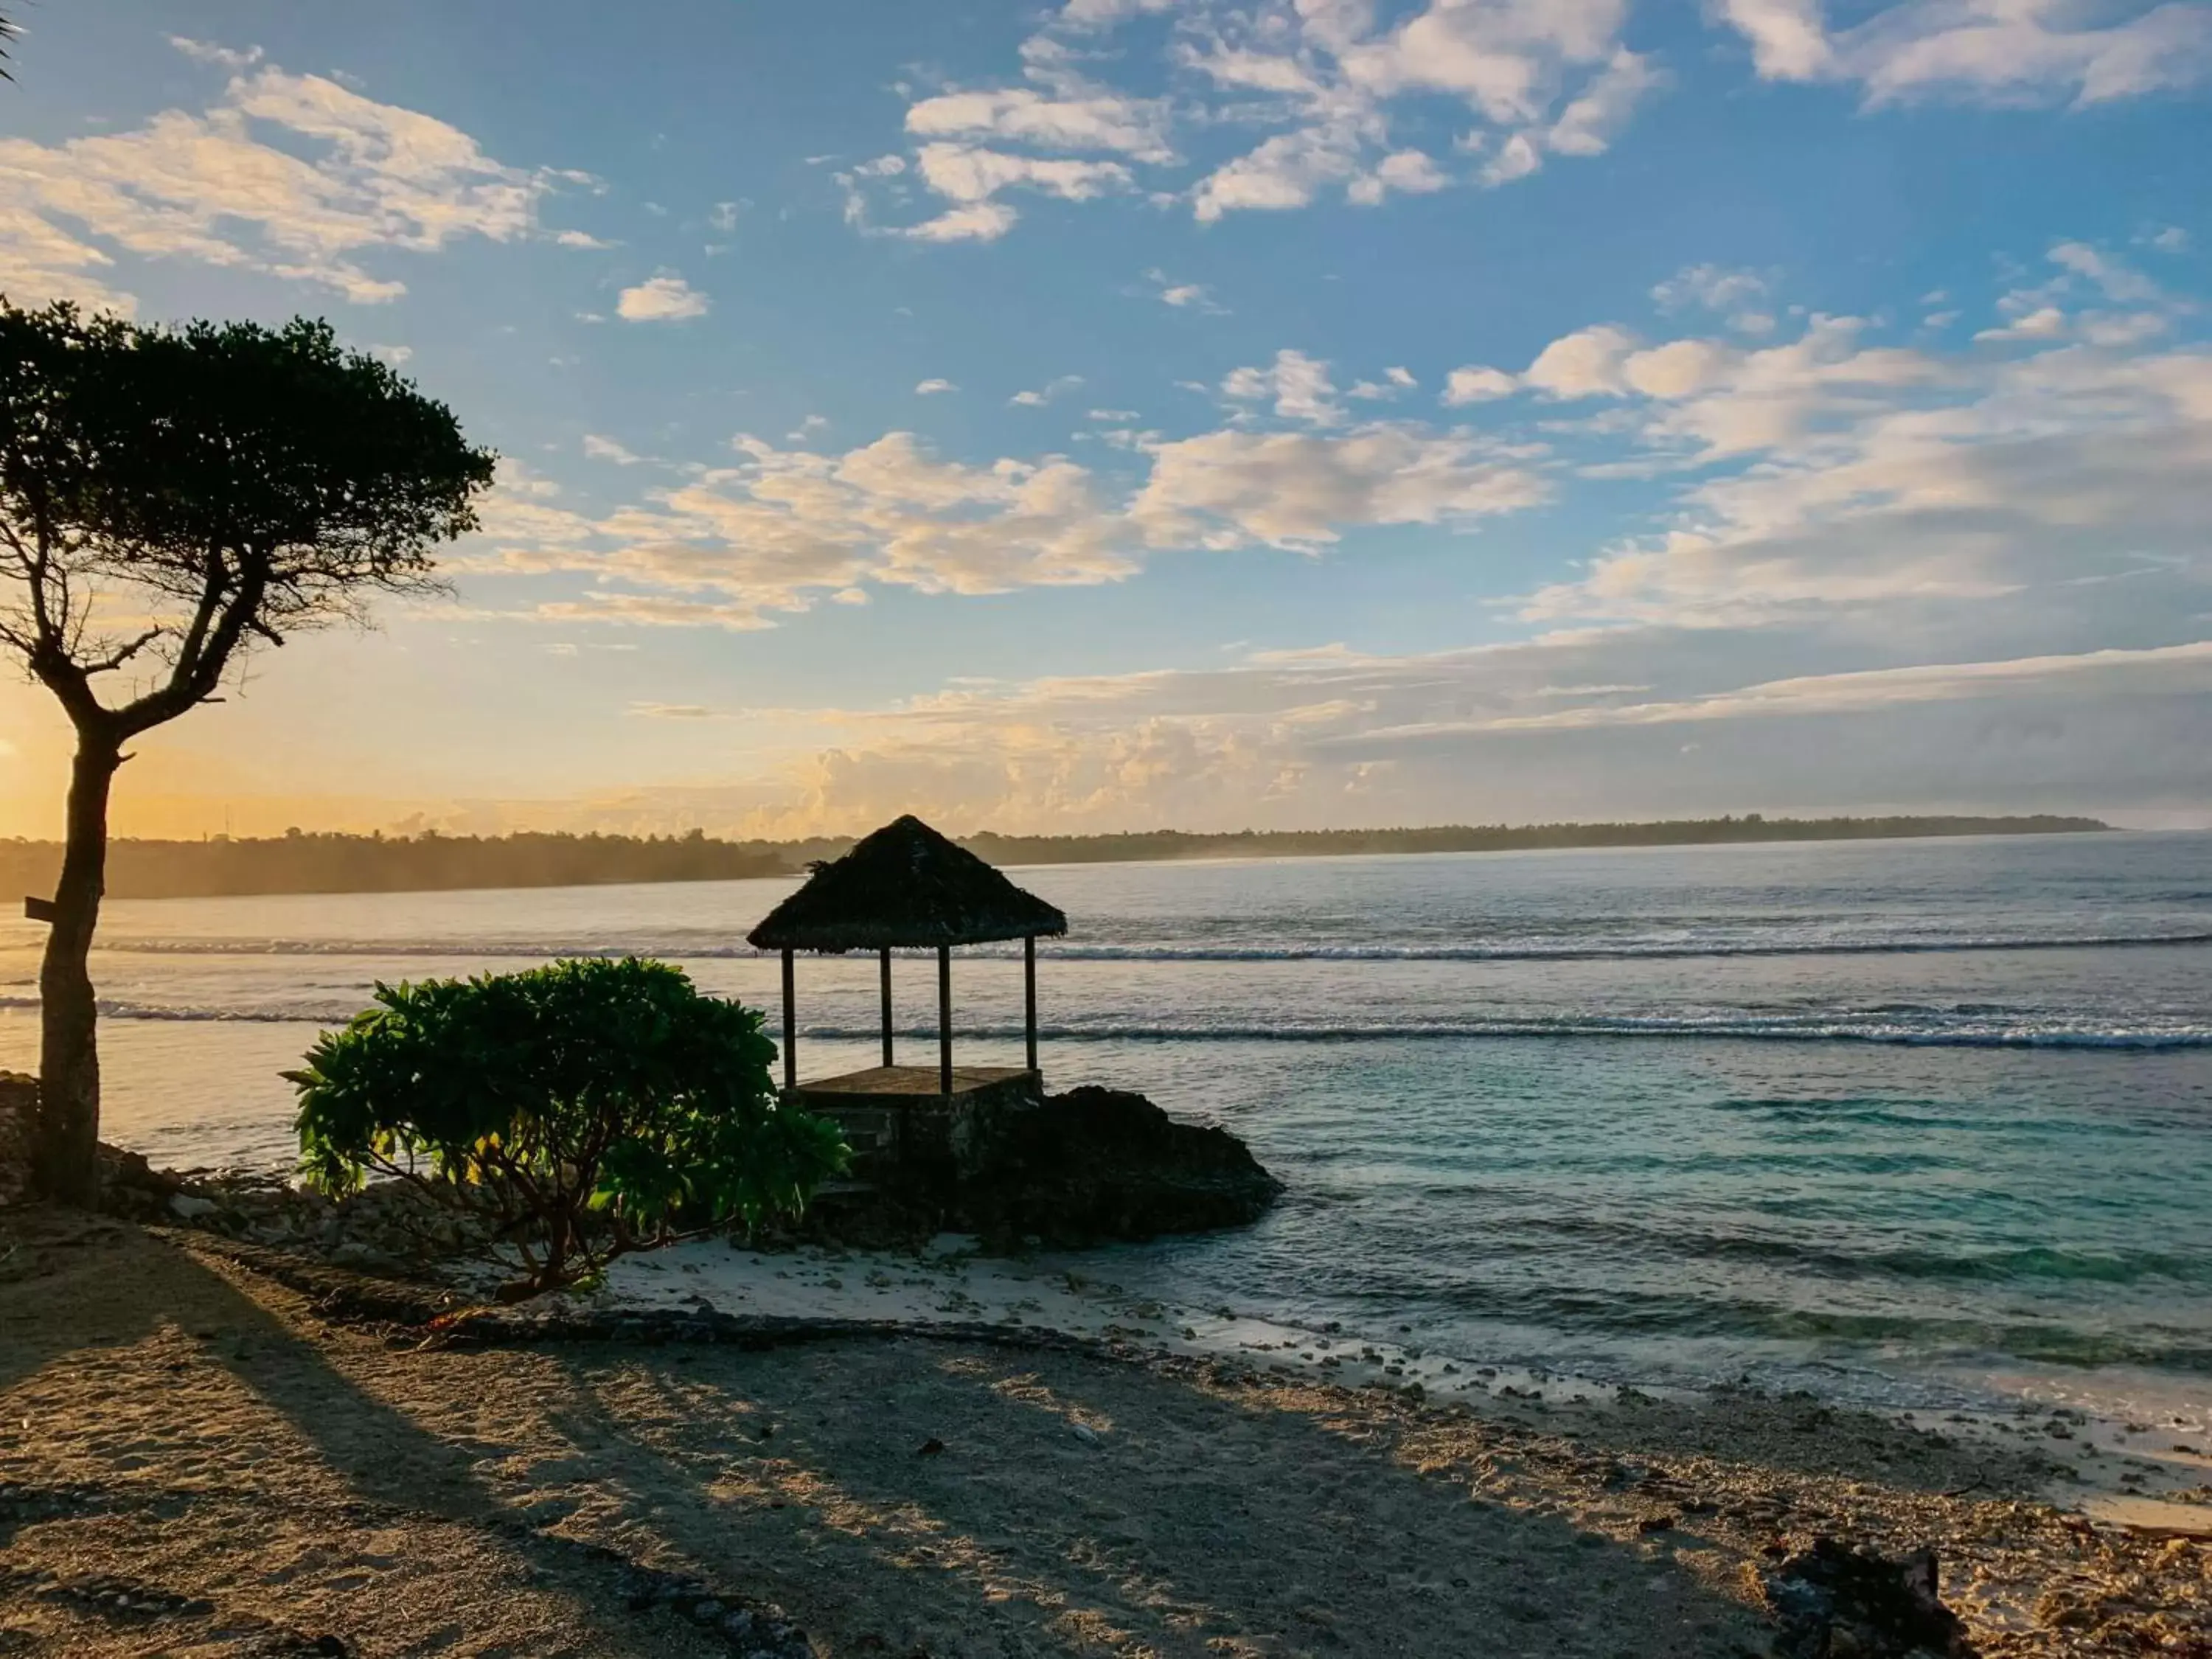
(1916, 1123)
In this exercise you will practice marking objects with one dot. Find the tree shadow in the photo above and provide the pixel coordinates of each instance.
(1079, 1506)
(140, 1464)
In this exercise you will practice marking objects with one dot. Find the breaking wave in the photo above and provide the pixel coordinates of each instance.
(1935, 1031)
(1564, 948)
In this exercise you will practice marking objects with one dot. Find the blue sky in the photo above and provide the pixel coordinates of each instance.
(1127, 412)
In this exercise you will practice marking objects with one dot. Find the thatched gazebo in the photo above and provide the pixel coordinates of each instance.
(906, 887)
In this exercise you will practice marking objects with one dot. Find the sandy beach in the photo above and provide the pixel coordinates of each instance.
(196, 1461)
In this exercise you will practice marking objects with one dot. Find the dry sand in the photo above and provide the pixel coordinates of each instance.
(193, 1440)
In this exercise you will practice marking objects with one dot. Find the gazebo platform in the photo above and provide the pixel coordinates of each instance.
(904, 1085)
(895, 1119)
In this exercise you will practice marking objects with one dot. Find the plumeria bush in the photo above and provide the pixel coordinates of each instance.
(586, 1109)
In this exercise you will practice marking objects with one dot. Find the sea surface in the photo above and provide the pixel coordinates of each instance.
(1907, 1122)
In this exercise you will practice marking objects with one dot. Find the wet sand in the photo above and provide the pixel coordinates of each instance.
(193, 1461)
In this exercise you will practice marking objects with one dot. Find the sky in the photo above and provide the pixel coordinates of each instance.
(1118, 414)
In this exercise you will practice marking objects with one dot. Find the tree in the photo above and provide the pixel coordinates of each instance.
(171, 499)
(580, 1110)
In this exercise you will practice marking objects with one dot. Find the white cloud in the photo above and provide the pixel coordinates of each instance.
(2044, 323)
(1298, 489)
(2113, 275)
(1789, 38)
(1408, 172)
(980, 222)
(581, 239)
(606, 449)
(1396, 380)
(1089, 120)
(969, 172)
(1476, 383)
(1586, 363)
(2184, 667)
(1322, 736)
(785, 529)
(1038, 396)
(213, 189)
(1886, 479)
(2020, 51)
(203, 52)
(1593, 121)
(1287, 171)
(664, 299)
(1737, 295)
(1191, 296)
(930, 388)
(1298, 387)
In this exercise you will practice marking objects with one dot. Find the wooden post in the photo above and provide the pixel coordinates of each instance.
(887, 1005)
(945, 1020)
(1028, 987)
(790, 1027)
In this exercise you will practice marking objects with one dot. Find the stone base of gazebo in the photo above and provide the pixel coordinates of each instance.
(902, 1126)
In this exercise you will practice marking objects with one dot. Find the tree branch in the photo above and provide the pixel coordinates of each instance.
(123, 654)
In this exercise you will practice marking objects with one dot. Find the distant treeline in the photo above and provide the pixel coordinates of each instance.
(1492, 837)
(299, 863)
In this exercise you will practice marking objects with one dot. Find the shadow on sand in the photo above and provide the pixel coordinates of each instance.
(1075, 1505)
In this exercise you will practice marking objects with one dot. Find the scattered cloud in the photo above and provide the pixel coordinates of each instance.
(1190, 296)
(1038, 396)
(787, 528)
(1299, 489)
(606, 449)
(933, 387)
(1878, 477)
(203, 52)
(664, 299)
(1296, 385)
(1395, 381)
(1477, 383)
(2040, 52)
(1739, 295)
(291, 176)
(2044, 323)
(1073, 117)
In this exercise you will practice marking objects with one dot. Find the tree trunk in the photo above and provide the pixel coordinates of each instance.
(68, 1052)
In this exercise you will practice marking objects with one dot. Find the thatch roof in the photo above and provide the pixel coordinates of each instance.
(904, 886)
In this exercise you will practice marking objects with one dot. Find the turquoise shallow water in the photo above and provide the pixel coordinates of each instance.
(1912, 1121)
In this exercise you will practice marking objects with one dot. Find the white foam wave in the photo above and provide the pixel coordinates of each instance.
(1935, 1031)
(1570, 948)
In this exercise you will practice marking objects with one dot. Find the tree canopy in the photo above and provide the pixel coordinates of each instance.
(171, 495)
(585, 1108)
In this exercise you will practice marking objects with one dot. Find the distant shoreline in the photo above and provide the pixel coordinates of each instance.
(221, 867)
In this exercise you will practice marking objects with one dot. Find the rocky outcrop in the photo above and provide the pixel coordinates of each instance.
(1836, 1599)
(1087, 1167)
(1099, 1164)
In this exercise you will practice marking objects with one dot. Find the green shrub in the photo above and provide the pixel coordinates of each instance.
(585, 1110)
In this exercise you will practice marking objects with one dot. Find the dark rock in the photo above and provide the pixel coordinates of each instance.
(931, 1447)
(1837, 1598)
(1100, 1164)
